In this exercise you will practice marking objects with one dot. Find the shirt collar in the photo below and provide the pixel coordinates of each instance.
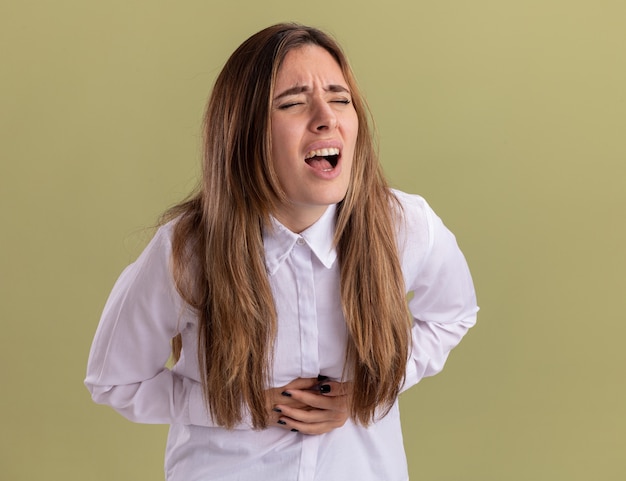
(279, 241)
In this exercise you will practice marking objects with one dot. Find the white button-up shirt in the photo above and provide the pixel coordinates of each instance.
(144, 311)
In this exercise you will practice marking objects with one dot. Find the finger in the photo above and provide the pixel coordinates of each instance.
(281, 417)
(314, 403)
(318, 399)
(283, 394)
(332, 388)
(313, 415)
(317, 422)
(301, 383)
(280, 395)
(284, 411)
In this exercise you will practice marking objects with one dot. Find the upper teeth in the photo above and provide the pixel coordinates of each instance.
(322, 152)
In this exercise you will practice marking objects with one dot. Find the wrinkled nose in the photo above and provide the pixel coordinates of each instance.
(323, 118)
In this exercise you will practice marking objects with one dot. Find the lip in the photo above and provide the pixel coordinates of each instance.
(324, 144)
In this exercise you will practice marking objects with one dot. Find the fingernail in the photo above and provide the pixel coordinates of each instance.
(285, 393)
(277, 410)
(322, 378)
(280, 421)
(325, 388)
(294, 430)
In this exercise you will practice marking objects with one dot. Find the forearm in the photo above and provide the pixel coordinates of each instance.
(432, 343)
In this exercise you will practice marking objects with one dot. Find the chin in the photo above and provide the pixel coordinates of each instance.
(332, 198)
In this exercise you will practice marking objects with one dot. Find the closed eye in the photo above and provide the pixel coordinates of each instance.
(288, 105)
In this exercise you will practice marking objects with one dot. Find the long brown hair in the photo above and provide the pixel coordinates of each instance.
(218, 255)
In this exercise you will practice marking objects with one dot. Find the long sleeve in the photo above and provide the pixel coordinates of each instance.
(126, 367)
(443, 301)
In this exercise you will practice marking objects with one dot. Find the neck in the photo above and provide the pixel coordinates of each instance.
(297, 218)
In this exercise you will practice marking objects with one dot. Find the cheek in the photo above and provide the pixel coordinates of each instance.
(352, 135)
(282, 139)
(352, 128)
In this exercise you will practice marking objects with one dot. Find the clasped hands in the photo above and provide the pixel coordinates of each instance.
(309, 405)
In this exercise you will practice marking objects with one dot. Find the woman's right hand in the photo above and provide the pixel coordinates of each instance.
(305, 406)
(275, 396)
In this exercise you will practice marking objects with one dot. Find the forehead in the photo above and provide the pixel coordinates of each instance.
(309, 64)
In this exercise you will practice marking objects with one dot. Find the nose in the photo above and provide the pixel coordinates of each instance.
(323, 117)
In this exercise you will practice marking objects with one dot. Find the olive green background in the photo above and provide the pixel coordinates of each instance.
(508, 116)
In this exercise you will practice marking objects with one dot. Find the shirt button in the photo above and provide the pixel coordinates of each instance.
(300, 241)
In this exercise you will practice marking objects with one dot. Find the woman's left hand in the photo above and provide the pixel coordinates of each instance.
(326, 408)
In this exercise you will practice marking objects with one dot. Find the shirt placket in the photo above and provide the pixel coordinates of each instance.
(310, 365)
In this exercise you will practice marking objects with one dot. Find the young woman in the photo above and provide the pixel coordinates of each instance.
(281, 285)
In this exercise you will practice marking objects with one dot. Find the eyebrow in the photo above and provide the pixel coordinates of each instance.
(299, 89)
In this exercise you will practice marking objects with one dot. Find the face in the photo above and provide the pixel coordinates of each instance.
(314, 129)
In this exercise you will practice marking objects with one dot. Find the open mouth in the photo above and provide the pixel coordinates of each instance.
(323, 160)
